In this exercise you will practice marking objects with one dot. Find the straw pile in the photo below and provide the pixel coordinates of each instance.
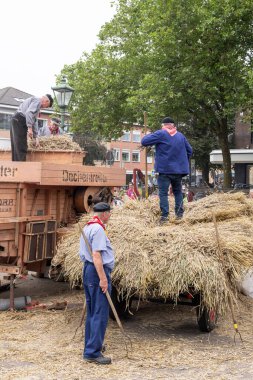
(50, 143)
(155, 261)
(225, 205)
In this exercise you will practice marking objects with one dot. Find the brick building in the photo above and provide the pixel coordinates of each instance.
(128, 154)
(242, 152)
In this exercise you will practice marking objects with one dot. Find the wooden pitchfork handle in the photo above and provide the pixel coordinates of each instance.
(221, 257)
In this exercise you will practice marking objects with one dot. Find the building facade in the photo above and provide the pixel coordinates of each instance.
(128, 153)
(242, 152)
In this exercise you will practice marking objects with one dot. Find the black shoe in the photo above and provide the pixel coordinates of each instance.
(163, 220)
(99, 360)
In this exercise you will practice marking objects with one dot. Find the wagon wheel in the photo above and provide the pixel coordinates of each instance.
(83, 198)
(121, 306)
(206, 318)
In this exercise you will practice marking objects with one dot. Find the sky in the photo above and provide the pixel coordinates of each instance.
(39, 37)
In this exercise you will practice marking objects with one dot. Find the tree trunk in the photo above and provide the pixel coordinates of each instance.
(223, 142)
(205, 172)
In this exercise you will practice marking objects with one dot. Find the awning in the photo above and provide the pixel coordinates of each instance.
(238, 156)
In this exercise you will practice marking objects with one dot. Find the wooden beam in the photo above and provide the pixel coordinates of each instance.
(11, 269)
(48, 200)
(26, 219)
(35, 197)
(58, 206)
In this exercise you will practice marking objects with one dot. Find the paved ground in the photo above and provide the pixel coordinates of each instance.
(166, 342)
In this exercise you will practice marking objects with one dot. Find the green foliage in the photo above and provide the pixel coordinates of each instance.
(94, 148)
(188, 59)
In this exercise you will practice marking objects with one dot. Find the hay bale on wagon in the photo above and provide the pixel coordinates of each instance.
(154, 261)
(51, 143)
(225, 205)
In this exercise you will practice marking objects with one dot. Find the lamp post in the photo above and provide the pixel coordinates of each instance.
(62, 94)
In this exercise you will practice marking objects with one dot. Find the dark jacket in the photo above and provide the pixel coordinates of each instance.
(172, 152)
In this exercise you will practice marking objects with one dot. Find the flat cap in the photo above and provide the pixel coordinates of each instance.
(56, 120)
(168, 120)
(51, 100)
(101, 207)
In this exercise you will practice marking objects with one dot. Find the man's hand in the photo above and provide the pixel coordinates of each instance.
(37, 142)
(97, 260)
(103, 285)
(30, 132)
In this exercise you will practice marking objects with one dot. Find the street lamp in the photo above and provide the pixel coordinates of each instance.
(62, 94)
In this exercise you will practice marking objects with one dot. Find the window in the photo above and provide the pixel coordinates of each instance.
(126, 136)
(125, 155)
(5, 121)
(116, 154)
(137, 136)
(135, 156)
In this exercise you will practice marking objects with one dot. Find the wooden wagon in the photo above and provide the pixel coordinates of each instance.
(39, 197)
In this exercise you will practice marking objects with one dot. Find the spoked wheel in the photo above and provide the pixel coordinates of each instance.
(120, 305)
(206, 318)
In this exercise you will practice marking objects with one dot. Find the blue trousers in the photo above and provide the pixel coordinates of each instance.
(164, 182)
(97, 311)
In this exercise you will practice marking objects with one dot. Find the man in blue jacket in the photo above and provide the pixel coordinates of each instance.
(171, 163)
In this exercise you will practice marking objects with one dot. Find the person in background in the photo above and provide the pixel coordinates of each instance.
(96, 281)
(171, 163)
(122, 192)
(23, 125)
(130, 192)
(51, 129)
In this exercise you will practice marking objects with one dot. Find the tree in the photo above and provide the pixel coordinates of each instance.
(94, 148)
(169, 57)
(212, 62)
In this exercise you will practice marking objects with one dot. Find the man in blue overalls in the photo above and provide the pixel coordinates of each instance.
(96, 281)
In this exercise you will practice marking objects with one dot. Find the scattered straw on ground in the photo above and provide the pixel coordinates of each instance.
(166, 344)
(155, 261)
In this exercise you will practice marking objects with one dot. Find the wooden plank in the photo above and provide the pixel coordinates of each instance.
(9, 249)
(8, 198)
(25, 219)
(18, 201)
(67, 203)
(50, 239)
(20, 171)
(7, 226)
(58, 206)
(6, 194)
(23, 202)
(35, 197)
(59, 156)
(77, 175)
(48, 200)
(36, 202)
(10, 186)
(12, 269)
(6, 235)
